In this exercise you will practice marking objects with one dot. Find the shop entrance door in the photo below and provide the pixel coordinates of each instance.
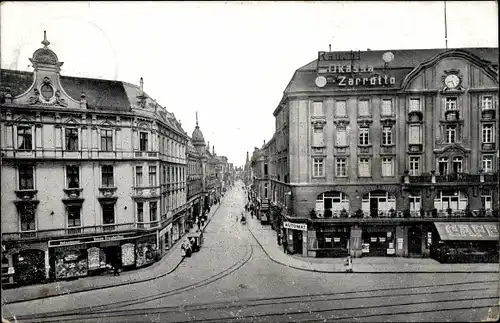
(113, 255)
(297, 241)
(374, 206)
(29, 267)
(415, 241)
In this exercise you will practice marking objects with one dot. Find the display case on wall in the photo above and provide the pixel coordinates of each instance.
(71, 263)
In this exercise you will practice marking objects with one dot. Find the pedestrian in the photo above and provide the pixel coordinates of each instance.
(279, 238)
(116, 268)
(348, 264)
(285, 246)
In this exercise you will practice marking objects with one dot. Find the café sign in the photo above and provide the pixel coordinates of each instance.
(295, 226)
(468, 231)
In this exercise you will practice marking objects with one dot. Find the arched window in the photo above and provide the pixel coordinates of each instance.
(378, 203)
(333, 202)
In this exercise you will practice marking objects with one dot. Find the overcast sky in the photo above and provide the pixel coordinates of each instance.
(228, 61)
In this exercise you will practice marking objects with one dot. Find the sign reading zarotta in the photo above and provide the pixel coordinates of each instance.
(333, 74)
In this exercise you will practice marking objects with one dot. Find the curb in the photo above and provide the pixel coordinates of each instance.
(366, 272)
(131, 282)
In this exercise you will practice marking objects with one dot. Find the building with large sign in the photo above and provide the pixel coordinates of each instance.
(93, 174)
(373, 149)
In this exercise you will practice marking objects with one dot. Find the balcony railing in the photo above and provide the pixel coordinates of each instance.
(410, 214)
(56, 233)
(421, 179)
(451, 178)
(457, 177)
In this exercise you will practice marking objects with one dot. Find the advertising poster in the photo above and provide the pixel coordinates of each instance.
(400, 243)
(70, 263)
(365, 248)
(128, 254)
(93, 258)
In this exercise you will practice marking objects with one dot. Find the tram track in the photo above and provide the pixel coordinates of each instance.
(300, 300)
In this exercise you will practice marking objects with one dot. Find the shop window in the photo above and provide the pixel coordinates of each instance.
(107, 176)
(71, 139)
(108, 213)
(107, 140)
(387, 136)
(26, 177)
(72, 176)
(318, 167)
(451, 134)
(363, 108)
(487, 133)
(443, 166)
(140, 212)
(143, 141)
(340, 109)
(153, 210)
(152, 175)
(341, 167)
(414, 105)
(364, 168)
(74, 219)
(451, 103)
(138, 175)
(364, 136)
(386, 107)
(488, 164)
(24, 138)
(387, 167)
(487, 103)
(414, 165)
(27, 215)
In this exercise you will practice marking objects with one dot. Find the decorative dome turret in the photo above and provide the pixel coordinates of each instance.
(197, 136)
(45, 58)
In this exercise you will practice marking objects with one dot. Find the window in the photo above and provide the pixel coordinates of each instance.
(387, 136)
(318, 167)
(26, 177)
(414, 105)
(415, 136)
(143, 141)
(386, 107)
(488, 163)
(318, 138)
(318, 109)
(451, 134)
(341, 167)
(27, 215)
(265, 169)
(486, 200)
(414, 165)
(108, 213)
(140, 212)
(340, 109)
(387, 167)
(487, 103)
(74, 219)
(153, 209)
(457, 164)
(341, 137)
(451, 104)
(364, 167)
(443, 166)
(73, 176)
(152, 175)
(107, 176)
(71, 139)
(164, 175)
(363, 108)
(138, 175)
(107, 140)
(415, 202)
(364, 136)
(265, 190)
(487, 130)
(24, 138)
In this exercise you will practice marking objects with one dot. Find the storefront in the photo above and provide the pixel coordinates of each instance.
(146, 250)
(379, 241)
(463, 242)
(296, 237)
(29, 266)
(70, 261)
(333, 241)
(164, 239)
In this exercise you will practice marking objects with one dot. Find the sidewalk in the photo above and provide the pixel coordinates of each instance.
(167, 264)
(266, 238)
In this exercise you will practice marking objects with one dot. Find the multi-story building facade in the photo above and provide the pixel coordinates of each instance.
(378, 152)
(93, 172)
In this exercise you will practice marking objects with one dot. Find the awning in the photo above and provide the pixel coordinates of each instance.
(467, 231)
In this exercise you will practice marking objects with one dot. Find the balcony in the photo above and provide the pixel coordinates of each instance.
(421, 179)
(68, 232)
(457, 177)
(146, 191)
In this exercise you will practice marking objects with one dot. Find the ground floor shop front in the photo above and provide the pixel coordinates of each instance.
(475, 240)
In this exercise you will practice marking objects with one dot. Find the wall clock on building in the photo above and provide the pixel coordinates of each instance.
(452, 81)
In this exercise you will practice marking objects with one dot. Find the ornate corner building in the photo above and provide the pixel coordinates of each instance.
(94, 172)
(381, 153)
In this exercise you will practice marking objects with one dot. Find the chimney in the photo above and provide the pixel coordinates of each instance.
(142, 86)
(264, 142)
(330, 47)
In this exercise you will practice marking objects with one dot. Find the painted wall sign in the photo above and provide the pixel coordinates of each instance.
(339, 56)
(295, 226)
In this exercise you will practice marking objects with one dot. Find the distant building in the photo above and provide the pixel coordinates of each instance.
(376, 152)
